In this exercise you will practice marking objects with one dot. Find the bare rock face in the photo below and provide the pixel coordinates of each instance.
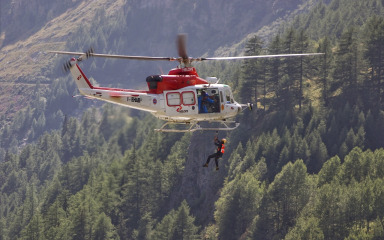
(200, 186)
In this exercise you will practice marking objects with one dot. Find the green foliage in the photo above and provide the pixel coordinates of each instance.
(283, 202)
(309, 165)
(332, 17)
(178, 224)
(238, 204)
(306, 229)
(329, 171)
(344, 206)
(374, 54)
(252, 77)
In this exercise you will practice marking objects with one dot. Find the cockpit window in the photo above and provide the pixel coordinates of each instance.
(228, 95)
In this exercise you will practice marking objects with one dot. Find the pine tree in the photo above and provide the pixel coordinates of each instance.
(103, 228)
(234, 161)
(132, 191)
(238, 203)
(325, 64)
(184, 227)
(252, 71)
(329, 171)
(105, 124)
(3, 232)
(306, 228)
(329, 208)
(164, 228)
(274, 71)
(291, 70)
(302, 41)
(177, 224)
(374, 52)
(34, 230)
(286, 196)
(351, 169)
(346, 74)
(83, 209)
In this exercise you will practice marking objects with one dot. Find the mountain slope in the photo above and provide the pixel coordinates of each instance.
(288, 172)
(134, 27)
(26, 62)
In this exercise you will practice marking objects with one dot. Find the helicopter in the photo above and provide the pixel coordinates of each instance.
(179, 97)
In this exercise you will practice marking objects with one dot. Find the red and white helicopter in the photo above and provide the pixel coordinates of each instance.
(180, 97)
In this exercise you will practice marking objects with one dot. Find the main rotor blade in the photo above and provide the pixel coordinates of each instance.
(182, 52)
(119, 56)
(135, 57)
(181, 45)
(260, 56)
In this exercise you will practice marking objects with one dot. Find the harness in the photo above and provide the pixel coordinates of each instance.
(221, 149)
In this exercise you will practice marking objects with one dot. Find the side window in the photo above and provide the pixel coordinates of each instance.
(173, 99)
(227, 95)
(221, 97)
(188, 98)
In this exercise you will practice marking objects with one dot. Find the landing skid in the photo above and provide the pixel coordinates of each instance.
(194, 126)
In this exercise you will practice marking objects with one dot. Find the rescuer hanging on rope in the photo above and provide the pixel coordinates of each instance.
(220, 151)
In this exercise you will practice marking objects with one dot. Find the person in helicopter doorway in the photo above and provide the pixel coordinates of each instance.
(220, 151)
(204, 100)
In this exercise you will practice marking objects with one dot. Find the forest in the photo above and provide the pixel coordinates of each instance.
(306, 163)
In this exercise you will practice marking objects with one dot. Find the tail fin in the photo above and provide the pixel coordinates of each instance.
(79, 77)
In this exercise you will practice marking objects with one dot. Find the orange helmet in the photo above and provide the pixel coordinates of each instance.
(224, 140)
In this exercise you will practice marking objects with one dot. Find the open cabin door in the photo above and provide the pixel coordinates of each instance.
(209, 100)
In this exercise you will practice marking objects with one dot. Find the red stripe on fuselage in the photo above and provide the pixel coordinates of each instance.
(120, 90)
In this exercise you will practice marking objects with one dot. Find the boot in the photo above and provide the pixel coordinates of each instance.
(205, 165)
(217, 168)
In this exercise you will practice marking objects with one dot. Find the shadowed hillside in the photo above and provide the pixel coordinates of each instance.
(306, 163)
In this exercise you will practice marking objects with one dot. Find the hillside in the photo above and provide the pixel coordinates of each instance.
(135, 28)
(307, 163)
(25, 62)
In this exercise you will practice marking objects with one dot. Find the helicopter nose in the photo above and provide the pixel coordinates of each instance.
(237, 108)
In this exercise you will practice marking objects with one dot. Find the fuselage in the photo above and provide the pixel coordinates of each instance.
(182, 105)
(180, 96)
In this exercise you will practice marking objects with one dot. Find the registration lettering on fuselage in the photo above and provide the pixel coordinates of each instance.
(134, 99)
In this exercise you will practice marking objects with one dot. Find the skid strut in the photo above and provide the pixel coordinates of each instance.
(194, 126)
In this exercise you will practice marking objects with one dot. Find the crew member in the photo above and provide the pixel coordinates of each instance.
(204, 100)
(220, 151)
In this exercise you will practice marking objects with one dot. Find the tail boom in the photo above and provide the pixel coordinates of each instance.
(138, 99)
(81, 80)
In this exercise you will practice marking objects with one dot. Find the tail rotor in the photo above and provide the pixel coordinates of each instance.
(89, 52)
(68, 64)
